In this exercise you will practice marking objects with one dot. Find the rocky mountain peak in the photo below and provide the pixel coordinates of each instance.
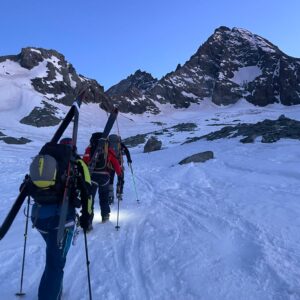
(238, 37)
(140, 81)
(133, 87)
(54, 78)
(232, 64)
(30, 57)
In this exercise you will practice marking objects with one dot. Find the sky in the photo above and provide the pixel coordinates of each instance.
(109, 40)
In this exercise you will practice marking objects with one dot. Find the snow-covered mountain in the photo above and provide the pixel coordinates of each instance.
(232, 64)
(44, 79)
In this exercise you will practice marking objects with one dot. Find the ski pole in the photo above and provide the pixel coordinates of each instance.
(87, 264)
(118, 227)
(21, 293)
(134, 185)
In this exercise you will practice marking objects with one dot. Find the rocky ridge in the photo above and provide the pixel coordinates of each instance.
(128, 94)
(232, 64)
(57, 82)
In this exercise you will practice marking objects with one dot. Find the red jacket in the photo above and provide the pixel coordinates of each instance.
(111, 159)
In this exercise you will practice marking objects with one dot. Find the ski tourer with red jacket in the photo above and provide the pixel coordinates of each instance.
(106, 161)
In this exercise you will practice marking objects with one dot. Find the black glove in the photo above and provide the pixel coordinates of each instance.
(129, 161)
(85, 221)
(120, 185)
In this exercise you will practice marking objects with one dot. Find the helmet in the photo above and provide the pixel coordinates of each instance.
(66, 141)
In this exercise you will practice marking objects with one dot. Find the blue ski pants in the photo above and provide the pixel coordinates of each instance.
(51, 283)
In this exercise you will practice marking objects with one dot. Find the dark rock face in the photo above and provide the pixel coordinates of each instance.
(270, 131)
(42, 117)
(153, 144)
(199, 157)
(232, 64)
(128, 94)
(136, 140)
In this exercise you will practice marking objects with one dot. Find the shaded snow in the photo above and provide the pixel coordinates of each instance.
(227, 229)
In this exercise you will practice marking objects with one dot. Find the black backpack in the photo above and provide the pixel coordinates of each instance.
(48, 173)
(99, 159)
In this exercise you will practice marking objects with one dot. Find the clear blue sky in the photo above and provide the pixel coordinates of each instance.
(109, 40)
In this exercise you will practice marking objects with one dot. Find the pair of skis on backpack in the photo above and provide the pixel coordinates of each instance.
(72, 114)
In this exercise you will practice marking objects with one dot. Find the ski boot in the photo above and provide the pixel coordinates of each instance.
(105, 218)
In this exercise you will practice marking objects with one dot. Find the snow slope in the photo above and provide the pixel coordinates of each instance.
(225, 229)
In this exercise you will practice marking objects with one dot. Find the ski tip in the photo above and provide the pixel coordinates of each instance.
(81, 94)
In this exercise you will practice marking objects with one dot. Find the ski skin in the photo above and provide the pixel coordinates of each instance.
(23, 193)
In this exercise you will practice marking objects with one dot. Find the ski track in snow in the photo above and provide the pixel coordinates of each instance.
(226, 229)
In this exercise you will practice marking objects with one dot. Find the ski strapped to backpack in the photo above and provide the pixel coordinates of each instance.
(68, 185)
(102, 143)
(27, 181)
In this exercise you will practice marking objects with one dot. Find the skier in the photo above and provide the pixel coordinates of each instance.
(115, 142)
(45, 217)
(106, 161)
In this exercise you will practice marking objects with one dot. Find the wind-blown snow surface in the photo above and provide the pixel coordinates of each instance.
(225, 229)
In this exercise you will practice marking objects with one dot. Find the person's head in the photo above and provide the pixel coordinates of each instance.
(96, 136)
(67, 141)
(114, 138)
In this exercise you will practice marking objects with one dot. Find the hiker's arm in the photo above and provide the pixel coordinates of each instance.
(127, 153)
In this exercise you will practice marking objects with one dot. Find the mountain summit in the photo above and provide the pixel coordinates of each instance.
(44, 80)
(50, 74)
(232, 64)
(133, 87)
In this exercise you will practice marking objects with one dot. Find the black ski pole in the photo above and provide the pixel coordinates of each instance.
(118, 227)
(21, 293)
(134, 185)
(87, 264)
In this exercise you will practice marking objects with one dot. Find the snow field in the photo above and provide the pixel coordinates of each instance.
(225, 229)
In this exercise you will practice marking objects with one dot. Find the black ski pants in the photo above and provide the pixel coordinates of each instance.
(100, 182)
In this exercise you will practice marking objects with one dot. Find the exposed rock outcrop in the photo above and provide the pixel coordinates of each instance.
(269, 131)
(199, 157)
(153, 144)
